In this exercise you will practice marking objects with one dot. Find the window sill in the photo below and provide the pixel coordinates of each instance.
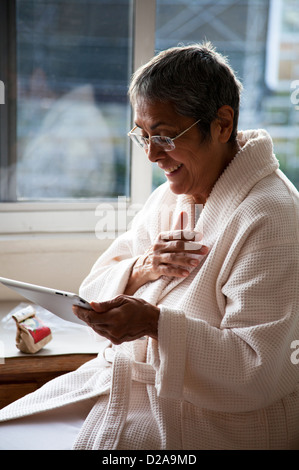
(51, 217)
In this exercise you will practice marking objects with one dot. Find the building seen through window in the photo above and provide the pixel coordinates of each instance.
(261, 40)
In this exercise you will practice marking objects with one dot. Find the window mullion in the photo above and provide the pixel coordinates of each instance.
(8, 110)
(144, 49)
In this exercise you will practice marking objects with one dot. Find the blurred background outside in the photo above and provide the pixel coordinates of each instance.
(74, 62)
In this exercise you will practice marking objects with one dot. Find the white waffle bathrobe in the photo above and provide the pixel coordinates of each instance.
(223, 373)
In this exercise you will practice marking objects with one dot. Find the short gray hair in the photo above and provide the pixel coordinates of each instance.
(195, 78)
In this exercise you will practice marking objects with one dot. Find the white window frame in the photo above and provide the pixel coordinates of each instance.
(33, 232)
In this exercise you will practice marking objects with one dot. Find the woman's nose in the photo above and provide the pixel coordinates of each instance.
(154, 152)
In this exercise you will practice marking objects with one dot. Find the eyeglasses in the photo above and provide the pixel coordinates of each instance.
(166, 143)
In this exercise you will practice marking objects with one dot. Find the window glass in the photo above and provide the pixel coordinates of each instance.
(260, 38)
(73, 66)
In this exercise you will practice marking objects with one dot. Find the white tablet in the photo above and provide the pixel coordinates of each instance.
(56, 301)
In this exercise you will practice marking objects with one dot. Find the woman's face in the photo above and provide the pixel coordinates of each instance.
(193, 166)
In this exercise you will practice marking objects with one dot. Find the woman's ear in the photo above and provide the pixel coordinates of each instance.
(224, 123)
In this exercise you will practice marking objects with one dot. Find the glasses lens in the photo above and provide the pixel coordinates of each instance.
(137, 139)
(165, 142)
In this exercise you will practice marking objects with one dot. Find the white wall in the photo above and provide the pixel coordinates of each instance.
(56, 262)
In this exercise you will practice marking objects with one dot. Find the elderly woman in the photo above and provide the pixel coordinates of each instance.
(197, 305)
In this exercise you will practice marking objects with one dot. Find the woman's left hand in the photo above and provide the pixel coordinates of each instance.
(121, 319)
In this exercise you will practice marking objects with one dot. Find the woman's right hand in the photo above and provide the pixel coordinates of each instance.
(171, 255)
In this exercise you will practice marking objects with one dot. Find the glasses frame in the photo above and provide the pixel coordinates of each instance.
(145, 142)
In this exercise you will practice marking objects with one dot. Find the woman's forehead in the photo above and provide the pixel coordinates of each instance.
(155, 114)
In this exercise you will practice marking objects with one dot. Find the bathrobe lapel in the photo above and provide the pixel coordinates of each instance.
(249, 166)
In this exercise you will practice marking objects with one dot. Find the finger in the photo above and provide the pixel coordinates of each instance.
(178, 259)
(171, 270)
(179, 231)
(81, 313)
(78, 311)
(193, 247)
(180, 246)
(89, 316)
(182, 221)
(101, 307)
(186, 235)
(179, 235)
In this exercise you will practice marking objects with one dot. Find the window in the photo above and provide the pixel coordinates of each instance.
(73, 62)
(66, 65)
(261, 39)
(64, 123)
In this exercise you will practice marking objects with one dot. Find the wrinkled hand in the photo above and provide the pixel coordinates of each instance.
(121, 319)
(171, 255)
